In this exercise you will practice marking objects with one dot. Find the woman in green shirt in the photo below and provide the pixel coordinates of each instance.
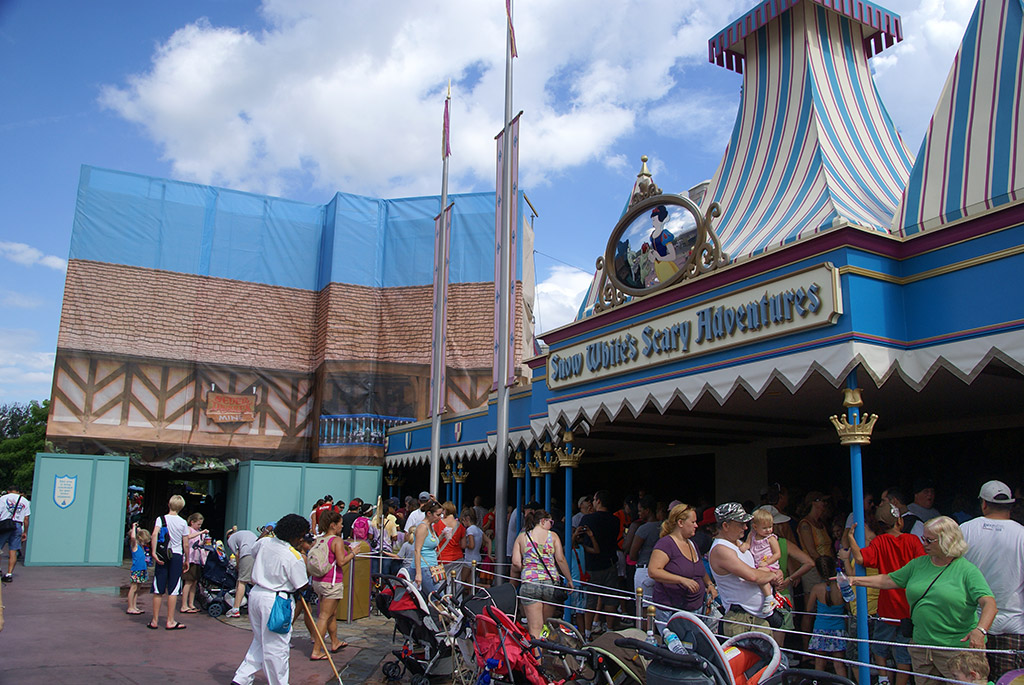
(944, 592)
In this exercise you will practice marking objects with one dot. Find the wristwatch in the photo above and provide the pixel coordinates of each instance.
(983, 631)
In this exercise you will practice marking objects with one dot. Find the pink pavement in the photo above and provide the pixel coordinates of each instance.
(68, 625)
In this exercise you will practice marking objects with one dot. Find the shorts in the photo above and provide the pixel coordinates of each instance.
(607, 578)
(192, 574)
(531, 593)
(167, 577)
(890, 632)
(12, 539)
(140, 577)
(245, 569)
(738, 621)
(329, 590)
(1001, 663)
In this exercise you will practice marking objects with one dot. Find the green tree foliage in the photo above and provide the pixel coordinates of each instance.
(22, 434)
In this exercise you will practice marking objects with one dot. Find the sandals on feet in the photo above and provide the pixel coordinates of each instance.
(176, 626)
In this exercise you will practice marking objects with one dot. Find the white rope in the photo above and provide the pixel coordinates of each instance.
(858, 664)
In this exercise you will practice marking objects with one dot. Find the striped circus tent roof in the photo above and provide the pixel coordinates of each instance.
(972, 157)
(813, 147)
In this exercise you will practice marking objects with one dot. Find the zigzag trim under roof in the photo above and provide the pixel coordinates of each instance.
(882, 28)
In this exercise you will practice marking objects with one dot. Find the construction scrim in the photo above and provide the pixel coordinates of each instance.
(202, 326)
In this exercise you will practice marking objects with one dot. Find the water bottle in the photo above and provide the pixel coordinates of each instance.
(672, 642)
(845, 589)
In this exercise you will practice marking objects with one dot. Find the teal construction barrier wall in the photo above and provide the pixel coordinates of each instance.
(77, 511)
(264, 491)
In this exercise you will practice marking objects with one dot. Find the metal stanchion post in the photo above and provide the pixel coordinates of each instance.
(472, 579)
(349, 591)
(640, 608)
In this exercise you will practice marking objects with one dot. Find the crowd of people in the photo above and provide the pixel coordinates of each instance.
(936, 584)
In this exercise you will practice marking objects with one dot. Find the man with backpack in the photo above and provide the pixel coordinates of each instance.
(169, 534)
(14, 513)
(350, 517)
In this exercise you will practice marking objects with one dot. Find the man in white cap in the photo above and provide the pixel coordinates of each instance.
(738, 579)
(995, 544)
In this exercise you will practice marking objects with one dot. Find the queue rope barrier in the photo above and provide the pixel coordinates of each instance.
(633, 618)
(621, 595)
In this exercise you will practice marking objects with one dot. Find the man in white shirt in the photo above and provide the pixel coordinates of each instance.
(14, 507)
(167, 572)
(415, 518)
(279, 568)
(995, 544)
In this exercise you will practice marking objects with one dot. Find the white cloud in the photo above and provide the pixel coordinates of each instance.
(559, 296)
(911, 74)
(16, 300)
(25, 372)
(26, 255)
(329, 90)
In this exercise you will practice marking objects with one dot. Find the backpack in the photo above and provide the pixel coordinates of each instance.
(361, 528)
(161, 549)
(318, 557)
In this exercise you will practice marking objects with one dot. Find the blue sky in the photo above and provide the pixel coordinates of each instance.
(303, 98)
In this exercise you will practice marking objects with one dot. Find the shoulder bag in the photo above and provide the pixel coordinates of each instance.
(8, 525)
(907, 624)
(561, 592)
(437, 572)
(280, 619)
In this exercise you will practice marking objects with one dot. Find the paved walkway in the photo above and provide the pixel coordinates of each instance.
(68, 625)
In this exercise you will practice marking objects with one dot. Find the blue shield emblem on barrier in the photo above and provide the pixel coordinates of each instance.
(64, 490)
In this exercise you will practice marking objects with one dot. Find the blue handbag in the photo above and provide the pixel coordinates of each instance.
(280, 620)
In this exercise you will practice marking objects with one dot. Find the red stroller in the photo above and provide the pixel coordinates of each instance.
(503, 650)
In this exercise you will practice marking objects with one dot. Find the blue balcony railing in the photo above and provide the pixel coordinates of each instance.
(340, 430)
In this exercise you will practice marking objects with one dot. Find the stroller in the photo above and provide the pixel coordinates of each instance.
(429, 635)
(216, 588)
(751, 658)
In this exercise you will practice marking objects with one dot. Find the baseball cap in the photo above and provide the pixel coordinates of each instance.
(707, 519)
(996, 491)
(731, 511)
(923, 484)
(355, 504)
(777, 516)
(533, 504)
(887, 514)
(424, 496)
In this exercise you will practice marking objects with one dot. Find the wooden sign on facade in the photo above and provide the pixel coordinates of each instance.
(224, 408)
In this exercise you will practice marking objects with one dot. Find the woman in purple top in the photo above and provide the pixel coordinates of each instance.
(680, 579)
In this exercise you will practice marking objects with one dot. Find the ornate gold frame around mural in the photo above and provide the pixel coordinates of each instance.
(706, 255)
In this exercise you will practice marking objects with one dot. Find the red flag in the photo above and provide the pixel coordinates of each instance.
(511, 30)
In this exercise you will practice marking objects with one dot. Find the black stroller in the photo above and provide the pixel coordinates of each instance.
(216, 587)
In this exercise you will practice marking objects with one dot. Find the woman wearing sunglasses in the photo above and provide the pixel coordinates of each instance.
(945, 592)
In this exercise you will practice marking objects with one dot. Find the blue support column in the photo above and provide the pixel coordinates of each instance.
(567, 508)
(529, 493)
(519, 503)
(857, 483)
(458, 505)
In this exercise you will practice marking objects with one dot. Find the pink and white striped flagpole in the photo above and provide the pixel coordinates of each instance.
(438, 359)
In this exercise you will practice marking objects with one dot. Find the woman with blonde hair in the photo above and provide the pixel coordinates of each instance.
(676, 567)
(945, 592)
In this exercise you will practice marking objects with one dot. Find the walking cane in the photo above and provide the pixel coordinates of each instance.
(309, 615)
